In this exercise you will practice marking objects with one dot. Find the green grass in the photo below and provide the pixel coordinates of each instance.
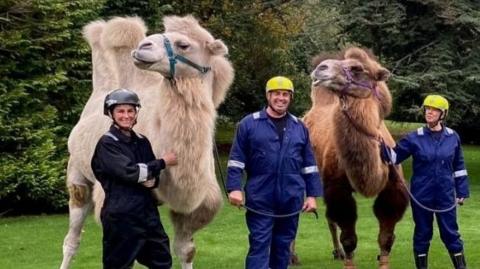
(35, 242)
(224, 133)
(399, 129)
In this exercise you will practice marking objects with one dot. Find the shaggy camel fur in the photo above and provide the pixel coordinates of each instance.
(350, 99)
(177, 114)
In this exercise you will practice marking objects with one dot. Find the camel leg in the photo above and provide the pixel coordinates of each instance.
(338, 253)
(185, 225)
(342, 210)
(389, 208)
(79, 205)
(293, 260)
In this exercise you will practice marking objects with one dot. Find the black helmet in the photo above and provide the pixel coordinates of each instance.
(120, 97)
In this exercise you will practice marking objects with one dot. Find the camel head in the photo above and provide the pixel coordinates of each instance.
(184, 50)
(354, 73)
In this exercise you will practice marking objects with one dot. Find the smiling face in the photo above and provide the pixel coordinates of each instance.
(124, 116)
(278, 102)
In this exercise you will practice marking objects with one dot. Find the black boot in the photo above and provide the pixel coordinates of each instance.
(421, 261)
(458, 260)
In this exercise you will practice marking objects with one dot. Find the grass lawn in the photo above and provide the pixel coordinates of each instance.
(35, 242)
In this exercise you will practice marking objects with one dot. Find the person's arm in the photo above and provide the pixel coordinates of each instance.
(396, 155)
(109, 159)
(460, 174)
(311, 175)
(236, 165)
(155, 166)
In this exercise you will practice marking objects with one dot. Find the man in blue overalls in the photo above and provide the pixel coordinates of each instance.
(273, 147)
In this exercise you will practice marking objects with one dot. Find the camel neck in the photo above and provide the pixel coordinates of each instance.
(360, 115)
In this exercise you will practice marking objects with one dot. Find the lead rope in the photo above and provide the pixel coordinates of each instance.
(217, 158)
(407, 188)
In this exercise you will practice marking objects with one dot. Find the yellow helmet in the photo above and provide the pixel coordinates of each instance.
(436, 101)
(279, 83)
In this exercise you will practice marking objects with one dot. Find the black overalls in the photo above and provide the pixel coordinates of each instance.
(131, 224)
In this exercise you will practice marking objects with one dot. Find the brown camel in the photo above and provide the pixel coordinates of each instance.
(350, 99)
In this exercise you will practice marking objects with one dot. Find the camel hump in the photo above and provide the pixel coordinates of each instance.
(123, 32)
(92, 32)
(102, 73)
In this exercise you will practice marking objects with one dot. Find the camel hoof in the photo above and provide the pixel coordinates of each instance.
(187, 265)
(294, 260)
(338, 254)
(349, 264)
(383, 262)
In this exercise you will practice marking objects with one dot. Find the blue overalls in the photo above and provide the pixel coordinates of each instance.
(439, 176)
(279, 173)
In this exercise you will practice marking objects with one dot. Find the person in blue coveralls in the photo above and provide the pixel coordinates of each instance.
(127, 169)
(439, 181)
(272, 146)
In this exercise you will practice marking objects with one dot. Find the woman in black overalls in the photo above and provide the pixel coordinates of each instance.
(126, 167)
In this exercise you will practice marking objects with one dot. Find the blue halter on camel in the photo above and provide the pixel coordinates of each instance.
(173, 57)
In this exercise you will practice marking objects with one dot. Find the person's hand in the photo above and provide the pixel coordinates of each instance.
(170, 158)
(236, 198)
(149, 183)
(386, 153)
(460, 200)
(310, 205)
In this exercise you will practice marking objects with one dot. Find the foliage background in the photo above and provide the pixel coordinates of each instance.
(429, 45)
(45, 76)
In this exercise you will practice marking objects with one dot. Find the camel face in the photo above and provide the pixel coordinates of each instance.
(343, 77)
(152, 54)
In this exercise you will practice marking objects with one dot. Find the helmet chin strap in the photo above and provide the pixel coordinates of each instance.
(433, 124)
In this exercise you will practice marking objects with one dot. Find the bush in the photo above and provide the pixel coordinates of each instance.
(45, 70)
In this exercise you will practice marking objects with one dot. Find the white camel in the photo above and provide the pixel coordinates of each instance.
(181, 77)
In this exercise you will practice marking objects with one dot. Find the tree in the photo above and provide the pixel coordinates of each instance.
(151, 11)
(430, 46)
(44, 66)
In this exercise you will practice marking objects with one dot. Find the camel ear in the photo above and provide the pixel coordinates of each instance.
(217, 47)
(383, 75)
